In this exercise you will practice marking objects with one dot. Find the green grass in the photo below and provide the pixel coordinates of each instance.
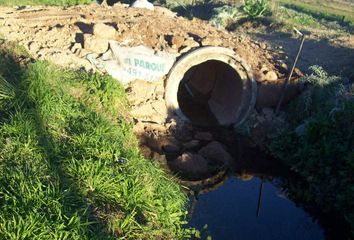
(44, 2)
(70, 165)
(322, 10)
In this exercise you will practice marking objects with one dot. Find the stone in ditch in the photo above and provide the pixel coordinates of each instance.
(170, 145)
(102, 30)
(204, 136)
(215, 151)
(190, 164)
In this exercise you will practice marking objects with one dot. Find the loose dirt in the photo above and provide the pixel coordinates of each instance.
(58, 34)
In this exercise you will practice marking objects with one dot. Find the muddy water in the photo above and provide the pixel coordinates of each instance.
(230, 211)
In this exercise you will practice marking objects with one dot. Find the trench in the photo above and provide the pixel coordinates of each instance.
(251, 202)
(235, 190)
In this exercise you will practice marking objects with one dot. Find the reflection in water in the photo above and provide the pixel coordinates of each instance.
(231, 213)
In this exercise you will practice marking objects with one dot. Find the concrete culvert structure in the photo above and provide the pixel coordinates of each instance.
(211, 86)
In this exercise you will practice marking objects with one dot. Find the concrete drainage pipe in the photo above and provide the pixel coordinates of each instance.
(211, 86)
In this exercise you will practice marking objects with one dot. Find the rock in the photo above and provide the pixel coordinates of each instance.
(204, 136)
(211, 41)
(215, 151)
(139, 91)
(264, 69)
(177, 42)
(191, 144)
(157, 118)
(158, 157)
(155, 127)
(170, 145)
(101, 30)
(263, 46)
(184, 132)
(190, 164)
(75, 48)
(139, 128)
(144, 110)
(190, 42)
(160, 107)
(142, 4)
(271, 76)
(94, 44)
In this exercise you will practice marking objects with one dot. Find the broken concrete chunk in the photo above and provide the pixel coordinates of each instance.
(190, 164)
(177, 42)
(215, 151)
(94, 44)
(144, 110)
(102, 30)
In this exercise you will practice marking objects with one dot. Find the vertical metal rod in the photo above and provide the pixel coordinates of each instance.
(260, 198)
(287, 80)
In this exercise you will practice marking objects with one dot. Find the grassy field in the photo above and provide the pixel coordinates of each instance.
(330, 10)
(69, 162)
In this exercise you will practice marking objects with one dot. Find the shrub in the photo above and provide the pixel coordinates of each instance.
(323, 154)
(255, 8)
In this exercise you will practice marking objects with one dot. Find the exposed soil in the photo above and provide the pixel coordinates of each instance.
(51, 33)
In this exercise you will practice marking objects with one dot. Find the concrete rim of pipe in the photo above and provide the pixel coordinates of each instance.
(233, 94)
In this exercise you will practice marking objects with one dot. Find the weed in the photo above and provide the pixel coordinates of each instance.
(323, 155)
(7, 93)
(226, 15)
(255, 8)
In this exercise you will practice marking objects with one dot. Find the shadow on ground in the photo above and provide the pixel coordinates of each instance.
(334, 58)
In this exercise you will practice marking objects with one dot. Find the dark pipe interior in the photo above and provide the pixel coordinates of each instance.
(209, 93)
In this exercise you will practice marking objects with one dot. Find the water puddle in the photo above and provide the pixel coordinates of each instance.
(230, 211)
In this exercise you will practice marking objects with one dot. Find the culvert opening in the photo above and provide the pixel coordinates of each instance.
(210, 93)
(210, 86)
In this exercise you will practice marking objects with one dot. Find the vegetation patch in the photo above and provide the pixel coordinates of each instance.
(319, 146)
(70, 164)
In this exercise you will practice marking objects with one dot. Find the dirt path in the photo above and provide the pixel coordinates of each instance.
(336, 56)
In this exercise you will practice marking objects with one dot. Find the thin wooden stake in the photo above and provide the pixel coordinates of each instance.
(287, 80)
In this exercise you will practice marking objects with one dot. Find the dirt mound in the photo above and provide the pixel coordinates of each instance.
(59, 34)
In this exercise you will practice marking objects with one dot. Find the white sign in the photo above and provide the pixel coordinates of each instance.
(127, 64)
